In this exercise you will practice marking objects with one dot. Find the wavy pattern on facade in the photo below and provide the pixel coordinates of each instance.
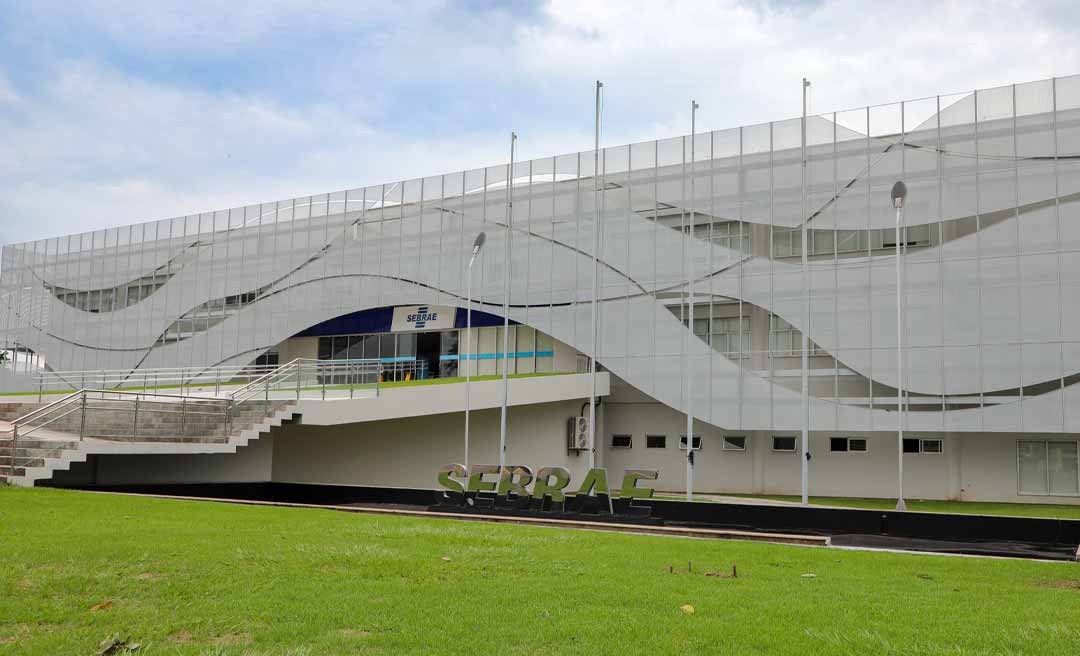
(992, 320)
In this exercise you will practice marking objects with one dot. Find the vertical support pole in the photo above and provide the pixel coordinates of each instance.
(805, 455)
(468, 356)
(82, 415)
(183, 415)
(595, 282)
(14, 450)
(134, 416)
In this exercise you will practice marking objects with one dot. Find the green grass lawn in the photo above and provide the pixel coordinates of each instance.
(189, 577)
(1056, 511)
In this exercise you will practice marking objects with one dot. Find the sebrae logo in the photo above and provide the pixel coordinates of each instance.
(549, 485)
(422, 316)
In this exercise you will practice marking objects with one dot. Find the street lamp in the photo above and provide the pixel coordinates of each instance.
(899, 193)
(477, 245)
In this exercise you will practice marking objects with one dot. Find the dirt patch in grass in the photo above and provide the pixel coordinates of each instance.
(355, 633)
(230, 639)
(1062, 584)
(148, 576)
(182, 637)
(21, 631)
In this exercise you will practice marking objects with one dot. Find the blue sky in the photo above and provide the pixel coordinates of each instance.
(117, 112)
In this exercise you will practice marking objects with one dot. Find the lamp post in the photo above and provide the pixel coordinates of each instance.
(477, 245)
(899, 193)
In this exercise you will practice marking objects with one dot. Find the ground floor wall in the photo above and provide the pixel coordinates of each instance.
(970, 466)
(407, 452)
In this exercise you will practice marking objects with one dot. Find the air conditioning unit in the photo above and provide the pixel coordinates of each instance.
(577, 434)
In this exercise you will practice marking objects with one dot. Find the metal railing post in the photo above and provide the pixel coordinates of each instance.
(299, 376)
(183, 415)
(82, 416)
(267, 389)
(14, 450)
(135, 419)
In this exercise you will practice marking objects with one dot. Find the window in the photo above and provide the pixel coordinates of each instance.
(787, 242)
(931, 446)
(731, 443)
(697, 442)
(728, 335)
(268, 359)
(656, 441)
(729, 234)
(786, 340)
(621, 441)
(784, 443)
(847, 444)
(918, 235)
(917, 445)
(731, 336)
(1048, 467)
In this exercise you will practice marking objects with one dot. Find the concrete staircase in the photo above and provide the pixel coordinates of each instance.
(112, 429)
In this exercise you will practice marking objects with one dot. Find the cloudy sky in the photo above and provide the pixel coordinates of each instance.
(115, 112)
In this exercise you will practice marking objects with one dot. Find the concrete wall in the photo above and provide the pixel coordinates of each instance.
(972, 467)
(406, 452)
(249, 464)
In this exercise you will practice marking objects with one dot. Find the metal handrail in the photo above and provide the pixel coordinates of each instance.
(46, 407)
(182, 377)
(261, 381)
(289, 377)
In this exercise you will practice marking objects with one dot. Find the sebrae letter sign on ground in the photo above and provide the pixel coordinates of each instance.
(550, 486)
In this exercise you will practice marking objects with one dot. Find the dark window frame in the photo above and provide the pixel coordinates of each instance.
(794, 443)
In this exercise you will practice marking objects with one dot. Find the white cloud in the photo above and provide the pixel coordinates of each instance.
(744, 63)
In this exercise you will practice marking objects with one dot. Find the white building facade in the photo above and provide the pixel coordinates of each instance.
(990, 292)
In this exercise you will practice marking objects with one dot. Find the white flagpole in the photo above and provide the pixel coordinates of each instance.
(595, 282)
(805, 455)
(506, 305)
(690, 322)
